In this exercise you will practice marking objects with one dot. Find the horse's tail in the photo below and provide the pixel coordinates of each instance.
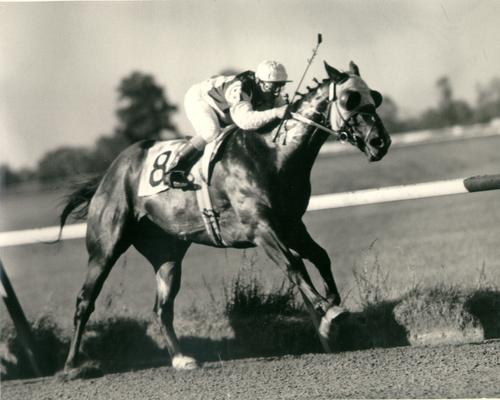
(77, 201)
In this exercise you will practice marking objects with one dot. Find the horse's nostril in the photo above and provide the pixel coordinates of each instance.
(376, 142)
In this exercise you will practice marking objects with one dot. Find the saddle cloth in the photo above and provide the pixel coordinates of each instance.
(162, 156)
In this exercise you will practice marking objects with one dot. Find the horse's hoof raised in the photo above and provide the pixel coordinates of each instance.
(184, 363)
(333, 313)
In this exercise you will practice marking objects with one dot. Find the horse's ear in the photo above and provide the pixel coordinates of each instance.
(354, 68)
(377, 98)
(334, 73)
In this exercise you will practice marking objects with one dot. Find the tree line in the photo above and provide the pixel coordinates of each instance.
(144, 112)
(449, 111)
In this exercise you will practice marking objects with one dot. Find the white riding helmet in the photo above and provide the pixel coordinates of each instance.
(271, 71)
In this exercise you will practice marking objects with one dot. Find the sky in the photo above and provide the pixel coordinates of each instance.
(61, 62)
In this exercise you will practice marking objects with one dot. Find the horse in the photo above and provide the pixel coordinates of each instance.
(260, 186)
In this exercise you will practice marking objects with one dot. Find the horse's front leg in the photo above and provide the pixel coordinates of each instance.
(276, 248)
(308, 249)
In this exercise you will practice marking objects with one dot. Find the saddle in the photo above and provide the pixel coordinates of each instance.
(162, 157)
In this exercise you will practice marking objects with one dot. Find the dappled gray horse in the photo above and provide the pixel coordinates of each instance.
(261, 188)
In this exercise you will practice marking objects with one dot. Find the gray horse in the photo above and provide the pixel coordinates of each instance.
(261, 188)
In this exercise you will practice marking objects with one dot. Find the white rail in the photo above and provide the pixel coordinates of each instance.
(405, 192)
(321, 202)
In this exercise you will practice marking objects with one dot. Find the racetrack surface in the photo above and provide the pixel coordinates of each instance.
(459, 371)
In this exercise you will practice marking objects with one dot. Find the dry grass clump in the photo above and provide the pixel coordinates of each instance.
(246, 296)
(438, 315)
(371, 281)
(267, 322)
(445, 313)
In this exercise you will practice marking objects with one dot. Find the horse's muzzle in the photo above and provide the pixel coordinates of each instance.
(377, 145)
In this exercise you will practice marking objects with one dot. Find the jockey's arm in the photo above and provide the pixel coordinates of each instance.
(245, 117)
(242, 112)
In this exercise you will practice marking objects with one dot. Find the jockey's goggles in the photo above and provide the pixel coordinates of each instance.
(272, 86)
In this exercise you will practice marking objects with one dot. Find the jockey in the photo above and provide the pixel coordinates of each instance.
(250, 100)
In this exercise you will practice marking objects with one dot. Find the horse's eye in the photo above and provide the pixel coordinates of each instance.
(367, 118)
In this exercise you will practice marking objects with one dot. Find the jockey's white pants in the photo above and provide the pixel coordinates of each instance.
(202, 116)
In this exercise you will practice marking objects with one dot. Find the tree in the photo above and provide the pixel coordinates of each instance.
(144, 112)
(7, 176)
(451, 111)
(488, 101)
(66, 162)
(448, 112)
(107, 149)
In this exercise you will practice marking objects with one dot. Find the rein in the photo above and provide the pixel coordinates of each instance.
(301, 118)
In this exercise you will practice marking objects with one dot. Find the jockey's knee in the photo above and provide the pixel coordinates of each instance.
(206, 135)
(199, 142)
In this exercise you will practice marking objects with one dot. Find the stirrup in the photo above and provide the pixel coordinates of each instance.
(178, 179)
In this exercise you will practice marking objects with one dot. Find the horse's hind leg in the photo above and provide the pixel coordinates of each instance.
(166, 254)
(105, 243)
(168, 279)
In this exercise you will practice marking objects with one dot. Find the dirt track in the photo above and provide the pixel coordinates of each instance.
(463, 371)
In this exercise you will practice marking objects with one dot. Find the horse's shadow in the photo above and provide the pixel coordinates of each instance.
(485, 306)
(127, 344)
(122, 344)
(278, 335)
(375, 326)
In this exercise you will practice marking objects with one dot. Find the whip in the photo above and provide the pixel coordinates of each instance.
(309, 62)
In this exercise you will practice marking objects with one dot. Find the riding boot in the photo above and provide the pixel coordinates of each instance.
(178, 178)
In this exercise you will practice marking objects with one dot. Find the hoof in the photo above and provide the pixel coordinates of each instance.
(184, 363)
(333, 313)
(87, 370)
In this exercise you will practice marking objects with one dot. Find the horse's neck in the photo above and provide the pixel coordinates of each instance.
(298, 144)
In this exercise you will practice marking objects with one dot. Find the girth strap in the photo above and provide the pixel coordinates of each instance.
(209, 214)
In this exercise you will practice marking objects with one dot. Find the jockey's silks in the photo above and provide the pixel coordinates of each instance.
(226, 91)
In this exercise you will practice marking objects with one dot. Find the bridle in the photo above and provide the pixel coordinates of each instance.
(347, 131)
